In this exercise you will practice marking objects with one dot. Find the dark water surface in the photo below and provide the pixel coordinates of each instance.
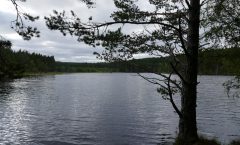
(106, 109)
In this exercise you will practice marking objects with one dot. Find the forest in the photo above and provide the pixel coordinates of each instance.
(211, 62)
(15, 64)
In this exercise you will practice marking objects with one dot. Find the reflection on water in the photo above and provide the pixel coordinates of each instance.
(106, 109)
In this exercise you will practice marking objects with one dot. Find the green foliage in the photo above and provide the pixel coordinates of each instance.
(222, 17)
(220, 61)
(232, 87)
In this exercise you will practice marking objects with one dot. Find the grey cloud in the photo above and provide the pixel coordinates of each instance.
(5, 21)
(52, 42)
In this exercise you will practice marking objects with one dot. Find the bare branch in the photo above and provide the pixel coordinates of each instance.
(188, 4)
(171, 98)
(168, 82)
(129, 22)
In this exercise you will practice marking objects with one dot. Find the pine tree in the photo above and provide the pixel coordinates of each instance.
(170, 29)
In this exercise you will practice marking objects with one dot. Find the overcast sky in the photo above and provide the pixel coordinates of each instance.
(53, 42)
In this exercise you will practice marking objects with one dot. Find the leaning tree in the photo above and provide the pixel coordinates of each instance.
(171, 28)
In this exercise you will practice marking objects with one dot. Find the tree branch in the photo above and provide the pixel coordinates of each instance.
(94, 26)
(188, 4)
(171, 99)
(180, 76)
(168, 88)
(181, 37)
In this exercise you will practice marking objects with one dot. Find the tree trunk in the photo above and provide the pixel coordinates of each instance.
(188, 123)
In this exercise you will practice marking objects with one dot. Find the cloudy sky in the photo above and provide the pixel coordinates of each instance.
(52, 42)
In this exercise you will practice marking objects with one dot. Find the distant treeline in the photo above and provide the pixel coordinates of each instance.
(220, 61)
(19, 63)
(136, 65)
(129, 66)
(211, 62)
(15, 64)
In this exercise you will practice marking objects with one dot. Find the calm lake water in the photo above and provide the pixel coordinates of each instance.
(106, 109)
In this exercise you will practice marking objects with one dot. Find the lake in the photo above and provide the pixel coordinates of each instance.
(107, 109)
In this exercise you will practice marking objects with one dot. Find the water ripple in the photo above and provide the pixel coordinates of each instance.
(106, 109)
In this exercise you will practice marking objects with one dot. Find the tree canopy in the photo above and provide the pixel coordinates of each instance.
(223, 22)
